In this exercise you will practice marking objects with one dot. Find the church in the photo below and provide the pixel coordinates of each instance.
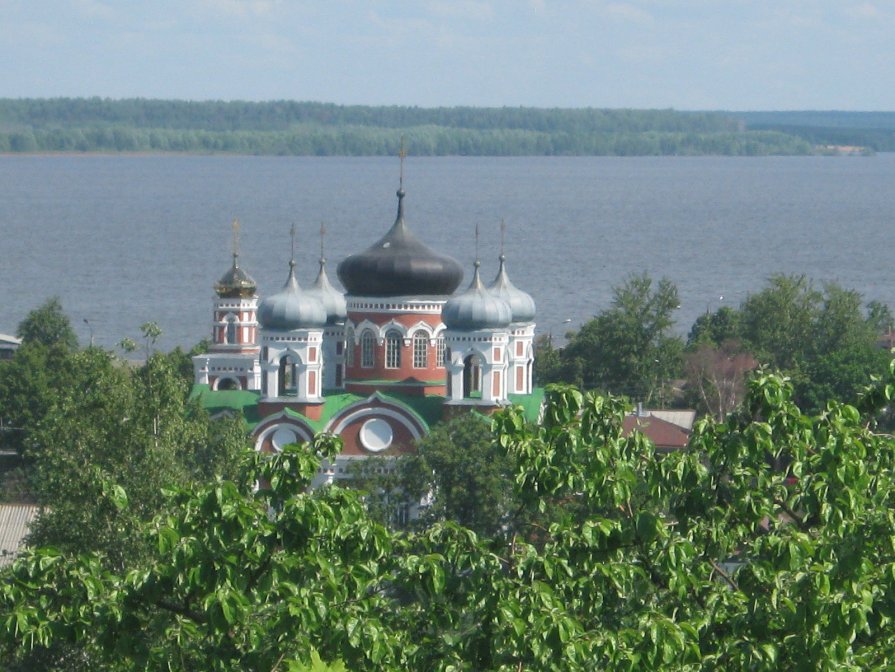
(378, 365)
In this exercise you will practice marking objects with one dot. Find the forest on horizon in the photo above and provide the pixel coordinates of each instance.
(53, 125)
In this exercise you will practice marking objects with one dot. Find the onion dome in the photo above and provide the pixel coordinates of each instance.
(522, 305)
(399, 264)
(235, 283)
(476, 308)
(291, 308)
(332, 299)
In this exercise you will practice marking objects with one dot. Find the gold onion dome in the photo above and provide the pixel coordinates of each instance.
(291, 308)
(235, 283)
(521, 303)
(399, 264)
(476, 308)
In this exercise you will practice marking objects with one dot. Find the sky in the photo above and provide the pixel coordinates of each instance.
(682, 54)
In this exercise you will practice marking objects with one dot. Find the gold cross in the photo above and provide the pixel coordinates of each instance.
(235, 237)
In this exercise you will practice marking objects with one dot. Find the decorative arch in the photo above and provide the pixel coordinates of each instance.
(376, 404)
(473, 376)
(226, 383)
(362, 326)
(459, 356)
(421, 326)
(266, 431)
(288, 370)
(392, 325)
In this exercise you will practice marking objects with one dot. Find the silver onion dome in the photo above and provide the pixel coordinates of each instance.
(332, 299)
(291, 308)
(476, 308)
(521, 303)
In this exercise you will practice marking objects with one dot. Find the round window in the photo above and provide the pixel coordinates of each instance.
(283, 437)
(376, 435)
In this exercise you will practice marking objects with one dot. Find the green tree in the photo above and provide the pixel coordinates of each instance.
(48, 325)
(458, 474)
(822, 339)
(880, 317)
(548, 364)
(109, 427)
(29, 383)
(714, 328)
(715, 557)
(629, 348)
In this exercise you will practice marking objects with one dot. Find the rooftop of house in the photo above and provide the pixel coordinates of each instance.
(664, 434)
(15, 523)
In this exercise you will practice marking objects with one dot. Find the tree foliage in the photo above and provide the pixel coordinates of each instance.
(316, 129)
(629, 348)
(459, 474)
(821, 338)
(131, 432)
(48, 325)
(768, 545)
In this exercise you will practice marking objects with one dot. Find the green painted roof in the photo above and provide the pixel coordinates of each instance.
(530, 403)
(427, 409)
(218, 401)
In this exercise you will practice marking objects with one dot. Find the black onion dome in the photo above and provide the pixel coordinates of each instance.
(291, 308)
(522, 305)
(476, 308)
(235, 283)
(332, 299)
(399, 264)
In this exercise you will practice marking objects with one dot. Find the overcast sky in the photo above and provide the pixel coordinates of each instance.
(685, 54)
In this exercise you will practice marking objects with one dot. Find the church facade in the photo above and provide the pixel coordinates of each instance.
(377, 365)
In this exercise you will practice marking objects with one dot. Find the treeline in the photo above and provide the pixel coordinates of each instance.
(318, 129)
(312, 140)
(823, 338)
(873, 130)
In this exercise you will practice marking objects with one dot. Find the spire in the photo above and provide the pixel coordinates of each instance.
(292, 258)
(235, 243)
(332, 299)
(235, 282)
(322, 279)
(477, 244)
(522, 305)
(476, 277)
(402, 154)
(503, 230)
(322, 234)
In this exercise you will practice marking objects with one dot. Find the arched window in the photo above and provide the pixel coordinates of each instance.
(472, 377)
(420, 350)
(367, 347)
(349, 347)
(288, 379)
(441, 355)
(228, 384)
(393, 350)
(230, 335)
